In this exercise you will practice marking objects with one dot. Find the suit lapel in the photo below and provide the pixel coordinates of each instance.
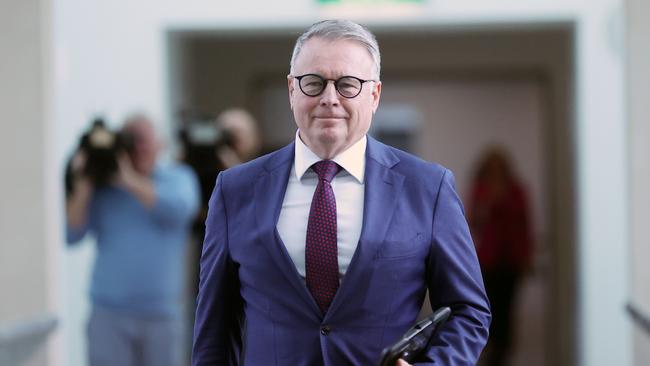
(269, 195)
(383, 186)
(382, 190)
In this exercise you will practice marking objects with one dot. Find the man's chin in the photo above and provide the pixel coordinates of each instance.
(332, 145)
(331, 138)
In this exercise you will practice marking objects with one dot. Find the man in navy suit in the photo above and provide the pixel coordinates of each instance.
(321, 253)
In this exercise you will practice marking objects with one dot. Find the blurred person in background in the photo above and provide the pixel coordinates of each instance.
(210, 146)
(245, 138)
(141, 221)
(499, 219)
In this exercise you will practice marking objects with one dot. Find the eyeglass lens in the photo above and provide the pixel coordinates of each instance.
(313, 85)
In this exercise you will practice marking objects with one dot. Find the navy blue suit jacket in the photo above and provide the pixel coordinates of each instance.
(254, 309)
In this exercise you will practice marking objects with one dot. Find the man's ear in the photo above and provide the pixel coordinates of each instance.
(291, 90)
(376, 95)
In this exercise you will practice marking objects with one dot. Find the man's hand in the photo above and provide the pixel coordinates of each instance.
(76, 204)
(78, 163)
(134, 182)
(82, 185)
(126, 173)
(228, 156)
(401, 362)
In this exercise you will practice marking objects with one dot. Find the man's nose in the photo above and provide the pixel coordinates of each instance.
(329, 96)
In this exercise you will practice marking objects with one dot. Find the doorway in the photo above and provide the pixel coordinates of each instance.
(466, 88)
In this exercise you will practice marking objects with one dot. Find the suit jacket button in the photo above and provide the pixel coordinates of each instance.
(325, 330)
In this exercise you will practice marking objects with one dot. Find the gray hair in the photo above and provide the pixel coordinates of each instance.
(337, 30)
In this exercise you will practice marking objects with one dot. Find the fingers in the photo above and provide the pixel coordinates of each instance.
(125, 169)
(79, 161)
(123, 158)
(228, 156)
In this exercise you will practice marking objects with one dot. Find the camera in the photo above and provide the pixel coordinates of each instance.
(101, 146)
(201, 138)
(204, 132)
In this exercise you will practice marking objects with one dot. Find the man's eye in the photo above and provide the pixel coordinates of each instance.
(347, 86)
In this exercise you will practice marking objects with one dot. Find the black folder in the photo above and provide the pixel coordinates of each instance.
(415, 340)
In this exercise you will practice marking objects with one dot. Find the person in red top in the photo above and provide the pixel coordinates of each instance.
(500, 224)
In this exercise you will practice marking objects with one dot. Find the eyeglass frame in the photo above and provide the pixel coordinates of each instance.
(335, 81)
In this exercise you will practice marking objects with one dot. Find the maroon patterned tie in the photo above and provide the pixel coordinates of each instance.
(321, 260)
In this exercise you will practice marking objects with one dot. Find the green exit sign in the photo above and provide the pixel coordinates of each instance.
(370, 2)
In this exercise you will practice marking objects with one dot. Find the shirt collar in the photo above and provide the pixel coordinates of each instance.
(353, 160)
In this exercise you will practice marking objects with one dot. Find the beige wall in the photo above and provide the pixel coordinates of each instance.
(22, 244)
(24, 267)
(638, 94)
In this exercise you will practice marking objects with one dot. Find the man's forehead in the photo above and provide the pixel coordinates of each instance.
(340, 56)
(142, 129)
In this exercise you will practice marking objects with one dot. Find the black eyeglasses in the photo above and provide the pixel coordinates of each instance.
(312, 85)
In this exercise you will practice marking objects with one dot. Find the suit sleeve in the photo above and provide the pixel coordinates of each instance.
(454, 280)
(217, 301)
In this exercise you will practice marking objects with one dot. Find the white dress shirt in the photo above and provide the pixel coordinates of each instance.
(348, 186)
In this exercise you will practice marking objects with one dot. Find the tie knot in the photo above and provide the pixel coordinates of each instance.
(326, 169)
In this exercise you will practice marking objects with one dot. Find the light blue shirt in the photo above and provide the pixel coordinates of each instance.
(139, 267)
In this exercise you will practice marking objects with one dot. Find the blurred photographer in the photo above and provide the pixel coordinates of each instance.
(211, 145)
(140, 213)
(244, 137)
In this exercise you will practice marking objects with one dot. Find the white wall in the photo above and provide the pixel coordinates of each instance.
(109, 57)
(637, 91)
(602, 183)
